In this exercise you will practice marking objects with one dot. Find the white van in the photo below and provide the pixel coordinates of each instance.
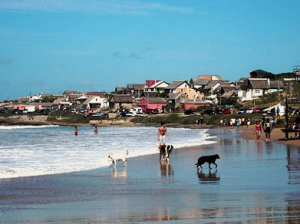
(136, 110)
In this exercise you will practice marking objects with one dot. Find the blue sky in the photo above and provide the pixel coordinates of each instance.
(95, 45)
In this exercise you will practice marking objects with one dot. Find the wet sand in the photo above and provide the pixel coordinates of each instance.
(256, 182)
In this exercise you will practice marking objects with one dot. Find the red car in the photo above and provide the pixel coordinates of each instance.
(226, 111)
(257, 110)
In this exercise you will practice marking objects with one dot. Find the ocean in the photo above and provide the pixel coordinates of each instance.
(43, 150)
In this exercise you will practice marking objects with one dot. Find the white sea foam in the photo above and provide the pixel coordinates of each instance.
(40, 150)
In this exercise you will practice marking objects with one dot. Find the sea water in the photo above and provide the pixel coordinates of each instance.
(41, 150)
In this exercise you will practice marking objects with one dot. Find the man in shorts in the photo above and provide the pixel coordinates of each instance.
(161, 135)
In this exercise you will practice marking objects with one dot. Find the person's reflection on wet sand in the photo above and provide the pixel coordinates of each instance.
(166, 169)
(210, 177)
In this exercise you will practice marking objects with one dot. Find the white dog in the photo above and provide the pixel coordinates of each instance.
(118, 157)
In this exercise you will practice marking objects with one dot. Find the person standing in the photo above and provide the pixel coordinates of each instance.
(257, 130)
(267, 130)
(96, 130)
(161, 135)
(248, 121)
(201, 120)
(273, 121)
(76, 131)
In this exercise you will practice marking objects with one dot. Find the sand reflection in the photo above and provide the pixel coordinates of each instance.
(166, 169)
(122, 173)
(208, 177)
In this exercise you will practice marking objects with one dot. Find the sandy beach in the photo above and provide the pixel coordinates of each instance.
(256, 182)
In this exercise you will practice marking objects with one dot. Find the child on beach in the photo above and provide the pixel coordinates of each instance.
(257, 130)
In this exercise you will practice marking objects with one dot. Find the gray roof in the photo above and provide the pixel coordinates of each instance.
(259, 84)
(276, 84)
(228, 94)
(158, 100)
(175, 84)
(211, 84)
(201, 82)
(138, 86)
(173, 96)
(121, 98)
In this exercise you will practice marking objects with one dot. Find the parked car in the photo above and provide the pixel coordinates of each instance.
(249, 110)
(140, 114)
(151, 111)
(242, 111)
(226, 111)
(129, 114)
(15, 111)
(257, 110)
(81, 110)
(87, 114)
(208, 112)
(189, 112)
(101, 114)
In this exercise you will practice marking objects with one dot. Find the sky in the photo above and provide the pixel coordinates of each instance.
(50, 46)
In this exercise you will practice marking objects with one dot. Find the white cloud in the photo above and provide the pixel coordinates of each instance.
(93, 6)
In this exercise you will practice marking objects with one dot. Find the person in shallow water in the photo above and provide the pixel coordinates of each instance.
(96, 130)
(76, 131)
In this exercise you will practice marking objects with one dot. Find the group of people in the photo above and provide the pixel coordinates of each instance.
(240, 121)
(265, 125)
(95, 130)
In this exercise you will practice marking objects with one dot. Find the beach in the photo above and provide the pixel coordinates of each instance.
(255, 182)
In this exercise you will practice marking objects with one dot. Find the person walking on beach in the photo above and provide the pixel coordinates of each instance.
(248, 121)
(267, 130)
(161, 135)
(273, 121)
(201, 120)
(257, 130)
(76, 131)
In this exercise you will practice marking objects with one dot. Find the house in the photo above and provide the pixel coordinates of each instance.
(261, 74)
(120, 90)
(120, 101)
(186, 104)
(255, 87)
(158, 87)
(73, 98)
(210, 77)
(153, 103)
(199, 83)
(212, 86)
(96, 102)
(174, 98)
(177, 85)
(138, 90)
(190, 93)
(276, 86)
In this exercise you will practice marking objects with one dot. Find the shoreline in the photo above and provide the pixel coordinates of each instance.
(247, 133)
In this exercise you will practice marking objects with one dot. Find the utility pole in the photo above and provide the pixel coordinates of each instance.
(286, 119)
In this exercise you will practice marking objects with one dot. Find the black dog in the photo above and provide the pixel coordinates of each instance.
(165, 151)
(207, 159)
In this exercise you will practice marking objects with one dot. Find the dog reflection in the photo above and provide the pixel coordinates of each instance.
(119, 174)
(166, 169)
(211, 176)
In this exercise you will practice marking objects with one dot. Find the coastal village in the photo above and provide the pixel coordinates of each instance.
(195, 94)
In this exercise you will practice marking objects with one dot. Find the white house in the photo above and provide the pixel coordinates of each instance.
(157, 87)
(96, 102)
